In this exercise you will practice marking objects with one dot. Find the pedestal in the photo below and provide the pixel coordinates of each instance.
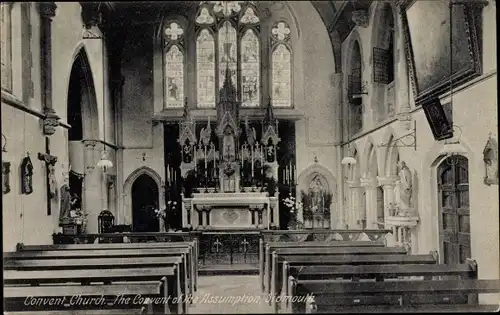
(402, 226)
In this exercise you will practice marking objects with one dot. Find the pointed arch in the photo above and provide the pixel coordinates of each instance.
(85, 106)
(127, 190)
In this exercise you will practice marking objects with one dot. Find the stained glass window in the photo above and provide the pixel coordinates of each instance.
(174, 77)
(205, 67)
(282, 76)
(227, 52)
(250, 69)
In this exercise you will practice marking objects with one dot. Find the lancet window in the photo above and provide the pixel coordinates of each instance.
(227, 35)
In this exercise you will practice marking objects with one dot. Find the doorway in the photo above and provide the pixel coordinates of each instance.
(454, 212)
(145, 197)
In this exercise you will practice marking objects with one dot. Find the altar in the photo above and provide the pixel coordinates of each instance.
(239, 210)
(230, 173)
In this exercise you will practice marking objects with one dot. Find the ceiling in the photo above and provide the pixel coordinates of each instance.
(337, 15)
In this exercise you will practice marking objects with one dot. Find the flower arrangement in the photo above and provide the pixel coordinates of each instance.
(293, 207)
(80, 218)
(163, 214)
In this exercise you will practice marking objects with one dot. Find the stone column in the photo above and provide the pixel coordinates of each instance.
(388, 184)
(356, 213)
(402, 81)
(370, 186)
(93, 183)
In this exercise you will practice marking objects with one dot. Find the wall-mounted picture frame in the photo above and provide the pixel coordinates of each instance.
(427, 45)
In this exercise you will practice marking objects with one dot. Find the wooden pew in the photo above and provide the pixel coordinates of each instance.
(193, 245)
(330, 296)
(116, 253)
(336, 260)
(265, 250)
(378, 272)
(89, 297)
(107, 276)
(103, 263)
(324, 251)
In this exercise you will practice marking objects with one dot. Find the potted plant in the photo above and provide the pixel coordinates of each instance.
(163, 215)
(293, 206)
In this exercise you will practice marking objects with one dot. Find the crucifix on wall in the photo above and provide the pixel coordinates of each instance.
(50, 163)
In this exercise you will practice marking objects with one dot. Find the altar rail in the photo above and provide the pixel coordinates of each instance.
(325, 235)
(226, 247)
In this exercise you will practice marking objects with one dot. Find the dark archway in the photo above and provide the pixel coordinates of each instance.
(144, 203)
(82, 117)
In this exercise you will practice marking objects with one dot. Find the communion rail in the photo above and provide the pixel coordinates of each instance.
(227, 247)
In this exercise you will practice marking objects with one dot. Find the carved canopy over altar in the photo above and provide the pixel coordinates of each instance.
(231, 182)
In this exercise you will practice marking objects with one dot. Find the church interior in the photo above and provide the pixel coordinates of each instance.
(230, 127)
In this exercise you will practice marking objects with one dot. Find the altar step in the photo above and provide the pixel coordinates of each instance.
(235, 269)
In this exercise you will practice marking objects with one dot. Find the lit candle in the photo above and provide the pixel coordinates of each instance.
(252, 161)
(168, 174)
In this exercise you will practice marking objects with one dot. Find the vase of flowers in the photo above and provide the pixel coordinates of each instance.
(293, 207)
(163, 215)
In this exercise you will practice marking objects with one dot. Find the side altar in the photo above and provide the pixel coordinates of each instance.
(229, 183)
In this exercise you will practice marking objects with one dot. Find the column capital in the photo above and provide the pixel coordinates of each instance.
(369, 182)
(354, 183)
(47, 10)
(389, 181)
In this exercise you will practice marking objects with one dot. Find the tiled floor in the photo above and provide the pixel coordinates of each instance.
(229, 294)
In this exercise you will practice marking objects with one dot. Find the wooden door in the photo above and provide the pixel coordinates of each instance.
(454, 212)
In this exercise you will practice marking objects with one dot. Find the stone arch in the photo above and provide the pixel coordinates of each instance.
(308, 175)
(82, 73)
(369, 159)
(127, 190)
(389, 155)
(435, 156)
(383, 37)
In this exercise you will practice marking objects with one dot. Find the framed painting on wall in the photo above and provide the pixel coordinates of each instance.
(437, 61)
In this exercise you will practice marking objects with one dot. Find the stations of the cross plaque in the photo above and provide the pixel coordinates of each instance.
(50, 162)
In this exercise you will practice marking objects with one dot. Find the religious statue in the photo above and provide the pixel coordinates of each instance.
(405, 192)
(270, 152)
(26, 176)
(5, 177)
(490, 158)
(65, 205)
(186, 153)
(228, 151)
(316, 193)
(52, 180)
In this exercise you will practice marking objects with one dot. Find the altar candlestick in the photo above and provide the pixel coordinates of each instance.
(252, 160)
(294, 175)
(194, 151)
(286, 174)
(168, 174)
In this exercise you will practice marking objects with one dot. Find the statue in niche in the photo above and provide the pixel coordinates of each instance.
(65, 205)
(26, 176)
(405, 191)
(490, 158)
(187, 152)
(316, 190)
(228, 152)
(270, 151)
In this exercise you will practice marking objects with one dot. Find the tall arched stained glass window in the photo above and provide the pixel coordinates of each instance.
(174, 79)
(281, 64)
(250, 69)
(227, 52)
(174, 65)
(205, 68)
(281, 76)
